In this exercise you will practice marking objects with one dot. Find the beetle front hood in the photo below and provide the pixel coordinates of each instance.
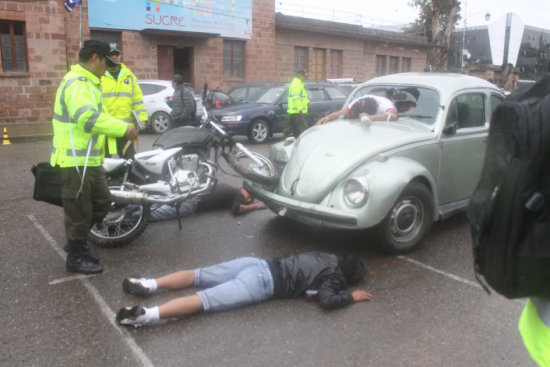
(324, 155)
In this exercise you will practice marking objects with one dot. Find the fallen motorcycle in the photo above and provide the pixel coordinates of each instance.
(177, 169)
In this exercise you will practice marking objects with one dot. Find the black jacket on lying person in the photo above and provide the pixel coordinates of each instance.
(318, 271)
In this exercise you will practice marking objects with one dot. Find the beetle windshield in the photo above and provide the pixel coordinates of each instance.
(418, 103)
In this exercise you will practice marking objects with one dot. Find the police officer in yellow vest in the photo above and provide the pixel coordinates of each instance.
(123, 98)
(80, 125)
(534, 326)
(297, 106)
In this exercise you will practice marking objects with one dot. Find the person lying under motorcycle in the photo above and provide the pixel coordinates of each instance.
(249, 280)
(223, 197)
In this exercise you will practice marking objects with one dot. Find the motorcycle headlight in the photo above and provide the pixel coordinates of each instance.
(231, 118)
(356, 191)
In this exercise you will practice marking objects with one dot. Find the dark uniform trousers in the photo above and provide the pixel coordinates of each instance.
(296, 125)
(90, 207)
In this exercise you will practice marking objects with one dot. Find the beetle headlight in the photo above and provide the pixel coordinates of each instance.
(356, 191)
(231, 118)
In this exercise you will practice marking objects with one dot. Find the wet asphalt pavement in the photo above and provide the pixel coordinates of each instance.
(427, 309)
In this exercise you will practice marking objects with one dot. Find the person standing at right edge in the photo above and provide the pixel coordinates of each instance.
(80, 125)
(534, 326)
(297, 106)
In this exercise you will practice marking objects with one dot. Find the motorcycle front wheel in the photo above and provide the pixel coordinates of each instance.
(266, 174)
(122, 224)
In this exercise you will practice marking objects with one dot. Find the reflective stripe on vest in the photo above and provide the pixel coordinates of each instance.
(64, 117)
(117, 94)
(83, 152)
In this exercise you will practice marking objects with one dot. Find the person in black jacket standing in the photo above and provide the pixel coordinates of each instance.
(248, 280)
(184, 107)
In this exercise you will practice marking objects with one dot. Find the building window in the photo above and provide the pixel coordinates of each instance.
(233, 59)
(318, 64)
(336, 64)
(13, 46)
(394, 64)
(405, 64)
(109, 37)
(300, 59)
(380, 65)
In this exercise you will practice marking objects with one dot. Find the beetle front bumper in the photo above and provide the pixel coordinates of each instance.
(308, 213)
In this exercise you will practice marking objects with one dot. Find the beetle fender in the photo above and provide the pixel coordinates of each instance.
(387, 178)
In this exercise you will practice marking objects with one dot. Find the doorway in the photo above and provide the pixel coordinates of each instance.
(182, 63)
(172, 60)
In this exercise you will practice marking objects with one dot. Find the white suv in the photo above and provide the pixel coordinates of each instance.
(155, 94)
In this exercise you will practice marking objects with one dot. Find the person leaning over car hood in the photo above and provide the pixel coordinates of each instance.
(373, 107)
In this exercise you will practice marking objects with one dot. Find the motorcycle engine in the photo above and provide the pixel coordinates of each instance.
(184, 170)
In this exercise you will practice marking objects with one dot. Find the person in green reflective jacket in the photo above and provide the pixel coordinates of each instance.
(81, 126)
(123, 98)
(297, 106)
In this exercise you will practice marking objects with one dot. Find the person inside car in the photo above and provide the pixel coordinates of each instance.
(249, 280)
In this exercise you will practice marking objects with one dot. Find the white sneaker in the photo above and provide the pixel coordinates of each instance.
(136, 286)
(132, 316)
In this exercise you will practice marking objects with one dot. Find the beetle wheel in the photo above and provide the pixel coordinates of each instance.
(409, 219)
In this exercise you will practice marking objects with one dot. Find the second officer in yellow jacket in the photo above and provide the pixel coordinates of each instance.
(123, 98)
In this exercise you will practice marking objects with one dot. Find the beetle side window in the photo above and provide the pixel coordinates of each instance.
(470, 110)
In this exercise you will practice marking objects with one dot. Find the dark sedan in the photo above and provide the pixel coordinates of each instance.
(261, 119)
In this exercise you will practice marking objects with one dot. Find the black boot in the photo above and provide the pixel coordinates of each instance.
(78, 262)
(83, 247)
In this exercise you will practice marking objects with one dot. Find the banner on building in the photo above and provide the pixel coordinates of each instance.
(228, 18)
(70, 4)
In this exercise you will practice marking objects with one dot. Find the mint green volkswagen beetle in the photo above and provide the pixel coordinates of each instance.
(396, 176)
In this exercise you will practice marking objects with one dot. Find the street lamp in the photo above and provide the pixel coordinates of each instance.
(487, 17)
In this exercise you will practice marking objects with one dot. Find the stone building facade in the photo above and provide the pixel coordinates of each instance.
(46, 38)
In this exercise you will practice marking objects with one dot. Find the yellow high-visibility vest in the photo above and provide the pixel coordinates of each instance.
(80, 115)
(297, 97)
(534, 326)
(123, 95)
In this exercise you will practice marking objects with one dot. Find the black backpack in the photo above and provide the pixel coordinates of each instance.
(509, 211)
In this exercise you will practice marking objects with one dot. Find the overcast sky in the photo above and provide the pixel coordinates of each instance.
(394, 12)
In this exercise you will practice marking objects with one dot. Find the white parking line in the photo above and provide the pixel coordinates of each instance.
(105, 309)
(449, 275)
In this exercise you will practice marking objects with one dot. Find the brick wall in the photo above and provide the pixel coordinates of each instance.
(260, 56)
(29, 97)
(359, 55)
(52, 36)
(207, 55)
(286, 40)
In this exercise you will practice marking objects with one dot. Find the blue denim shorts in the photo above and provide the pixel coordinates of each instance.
(234, 284)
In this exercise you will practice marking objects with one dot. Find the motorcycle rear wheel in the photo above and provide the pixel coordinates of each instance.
(122, 225)
(246, 167)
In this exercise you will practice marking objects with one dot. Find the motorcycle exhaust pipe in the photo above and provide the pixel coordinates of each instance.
(141, 198)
